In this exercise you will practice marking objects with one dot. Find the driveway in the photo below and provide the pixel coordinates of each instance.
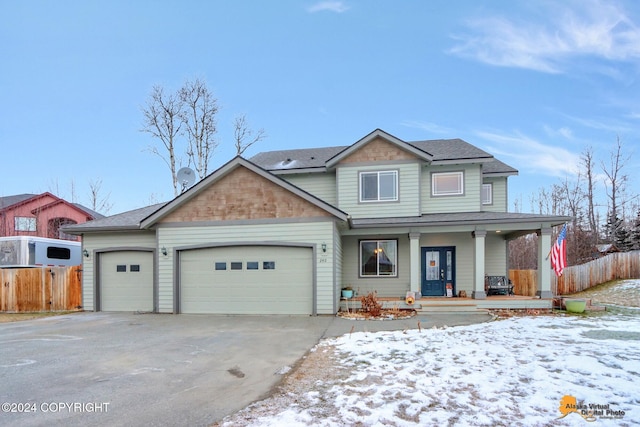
(154, 369)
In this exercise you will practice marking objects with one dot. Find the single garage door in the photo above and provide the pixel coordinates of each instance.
(247, 280)
(126, 281)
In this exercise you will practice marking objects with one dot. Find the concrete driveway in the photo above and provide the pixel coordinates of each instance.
(122, 369)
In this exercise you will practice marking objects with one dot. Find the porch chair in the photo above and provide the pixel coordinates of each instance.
(498, 285)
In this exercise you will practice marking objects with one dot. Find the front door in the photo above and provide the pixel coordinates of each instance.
(438, 271)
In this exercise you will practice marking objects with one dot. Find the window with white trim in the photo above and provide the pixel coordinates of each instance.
(24, 223)
(487, 194)
(378, 258)
(447, 184)
(380, 186)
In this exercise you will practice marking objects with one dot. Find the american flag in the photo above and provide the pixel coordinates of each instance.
(559, 252)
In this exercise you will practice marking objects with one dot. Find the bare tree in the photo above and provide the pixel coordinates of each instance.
(199, 120)
(587, 170)
(616, 180)
(162, 121)
(98, 201)
(244, 136)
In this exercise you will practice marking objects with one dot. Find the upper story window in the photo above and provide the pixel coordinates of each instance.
(487, 194)
(447, 184)
(23, 223)
(379, 186)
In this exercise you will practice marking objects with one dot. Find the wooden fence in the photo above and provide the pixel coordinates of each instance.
(616, 266)
(40, 289)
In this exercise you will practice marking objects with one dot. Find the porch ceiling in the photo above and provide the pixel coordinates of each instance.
(510, 222)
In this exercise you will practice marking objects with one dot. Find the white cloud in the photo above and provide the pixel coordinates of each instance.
(329, 5)
(563, 132)
(427, 126)
(588, 29)
(532, 155)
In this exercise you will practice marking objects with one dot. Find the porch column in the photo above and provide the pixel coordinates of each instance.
(478, 279)
(414, 259)
(544, 266)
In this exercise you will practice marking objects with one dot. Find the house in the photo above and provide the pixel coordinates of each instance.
(41, 215)
(283, 232)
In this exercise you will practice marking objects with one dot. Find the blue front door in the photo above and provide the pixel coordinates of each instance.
(438, 270)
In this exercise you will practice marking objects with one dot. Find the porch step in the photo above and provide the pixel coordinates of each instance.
(449, 308)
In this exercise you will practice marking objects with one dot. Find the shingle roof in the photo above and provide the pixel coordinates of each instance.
(466, 218)
(12, 200)
(129, 220)
(440, 149)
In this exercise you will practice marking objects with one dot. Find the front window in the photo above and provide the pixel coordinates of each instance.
(378, 258)
(447, 184)
(379, 186)
(487, 194)
(23, 223)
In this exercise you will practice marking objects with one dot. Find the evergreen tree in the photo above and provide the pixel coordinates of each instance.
(635, 233)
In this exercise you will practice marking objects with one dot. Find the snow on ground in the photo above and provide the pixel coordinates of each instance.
(505, 373)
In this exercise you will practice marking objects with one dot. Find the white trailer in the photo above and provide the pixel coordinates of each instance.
(25, 251)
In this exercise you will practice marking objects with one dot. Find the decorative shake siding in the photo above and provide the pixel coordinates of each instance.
(108, 241)
(378, 150)
(321, 185)
(315, 233)
(243, 195)
(470, 201)
(408, 203)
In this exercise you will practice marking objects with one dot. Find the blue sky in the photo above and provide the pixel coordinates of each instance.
(533, 83)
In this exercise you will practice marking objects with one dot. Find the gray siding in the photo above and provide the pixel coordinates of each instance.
(385, 286)
(314, 233)
(321, 185)
(408, 203)
(499, 195)
(470, 201)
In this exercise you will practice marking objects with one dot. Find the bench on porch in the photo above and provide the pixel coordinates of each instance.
(498, 285)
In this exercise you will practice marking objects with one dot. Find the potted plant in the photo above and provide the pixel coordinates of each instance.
(347, 292)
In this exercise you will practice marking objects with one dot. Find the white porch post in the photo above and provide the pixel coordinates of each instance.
(544, 266)
(478, 279)
(414, 258)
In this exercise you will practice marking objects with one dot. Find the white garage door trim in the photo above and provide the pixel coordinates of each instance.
(178, 290)
(99, 274)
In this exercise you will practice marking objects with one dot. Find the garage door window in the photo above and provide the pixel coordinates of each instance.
(121, 268)
(269, 265)
(221, 265)
(252, 265)
(134, 268)
(236, 266)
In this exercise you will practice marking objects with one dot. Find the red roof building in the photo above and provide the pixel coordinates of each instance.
(41, 215)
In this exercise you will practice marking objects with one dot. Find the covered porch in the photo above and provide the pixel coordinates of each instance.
(444, 254)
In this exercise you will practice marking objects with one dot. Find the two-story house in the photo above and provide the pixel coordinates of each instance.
(283, 232)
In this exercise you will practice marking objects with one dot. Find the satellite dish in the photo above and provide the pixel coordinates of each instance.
(186, 178)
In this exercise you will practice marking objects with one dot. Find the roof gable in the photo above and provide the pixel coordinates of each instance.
(240, 190)
(385, 147)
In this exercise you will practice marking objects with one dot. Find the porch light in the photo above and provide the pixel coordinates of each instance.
(85, 253)
(324, 247)
(164, 251)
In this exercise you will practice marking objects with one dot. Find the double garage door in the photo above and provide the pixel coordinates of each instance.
(247, 280)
